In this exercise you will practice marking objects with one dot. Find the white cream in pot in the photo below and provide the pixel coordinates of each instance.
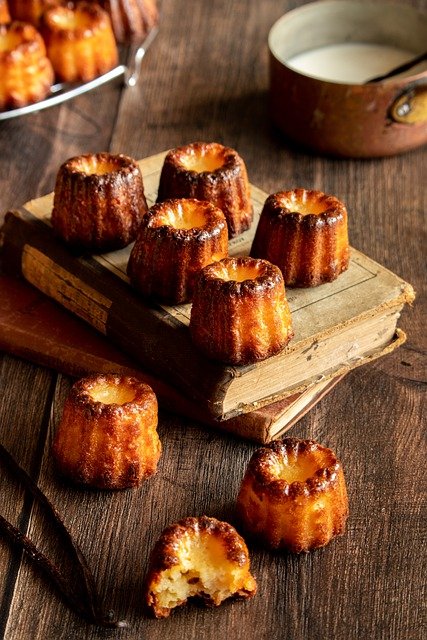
(349, 62)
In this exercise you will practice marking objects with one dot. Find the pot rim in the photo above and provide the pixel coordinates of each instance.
(319, 7)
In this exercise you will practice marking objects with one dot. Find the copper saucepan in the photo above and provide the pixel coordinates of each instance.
(353, 120)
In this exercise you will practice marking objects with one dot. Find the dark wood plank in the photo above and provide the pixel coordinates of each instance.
(205, 77)
(24, 411)
(34, 146)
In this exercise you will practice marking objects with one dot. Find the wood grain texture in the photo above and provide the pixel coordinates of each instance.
(205, 77)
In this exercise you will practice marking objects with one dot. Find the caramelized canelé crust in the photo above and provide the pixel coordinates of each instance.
(30, 10)
(132, 20)
(305, 234)
(4, 12)
(79, 40)
(209, 171)
(107, 436)
(176, 240)
(26, 74)
(293, 496)
(240, 313)
(99, 201)
(201, 557)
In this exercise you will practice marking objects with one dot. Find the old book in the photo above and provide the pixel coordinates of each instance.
(35, 328)
(338, 326)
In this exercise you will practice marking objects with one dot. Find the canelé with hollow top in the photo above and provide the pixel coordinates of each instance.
(305, 234)
(240, 313)
(293, 496)
(79, 40)
(209, 171)
(99, 201)
(176, 240)
(107, 437)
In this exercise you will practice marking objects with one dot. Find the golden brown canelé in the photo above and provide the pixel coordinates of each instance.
(176, 240)
(4, 12)
(79, 40)
(240, 313)
(305, 234)
(26, 74)
(200, 557)
(293, 496)
(99, 201)
(209, 171)
(107, 437)
(132, 20)
(30, 10)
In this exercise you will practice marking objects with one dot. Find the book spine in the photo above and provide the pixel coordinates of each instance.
(100, 298)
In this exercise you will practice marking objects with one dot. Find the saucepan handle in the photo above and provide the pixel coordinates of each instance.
(410, 106)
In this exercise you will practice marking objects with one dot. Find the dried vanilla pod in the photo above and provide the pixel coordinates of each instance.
(85, 603)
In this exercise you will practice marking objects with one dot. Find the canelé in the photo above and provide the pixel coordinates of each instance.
(30, 10)
(79, 40)
(107, 437)
(176, 240)
(293, 496)
(4, 12)
(26, 74)
(305, 234)
(99, 201)
(240, 313)
(201, 557)
(209, 171)
(132, 20)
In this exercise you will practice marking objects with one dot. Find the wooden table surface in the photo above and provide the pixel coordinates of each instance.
(205, 78)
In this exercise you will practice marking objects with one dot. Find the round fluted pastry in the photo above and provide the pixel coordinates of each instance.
(26, 74)
(209, 171)
(293, 496)
(305, 234)
(99, 201)
(4, 12)
(79, 40)
(107, 437)
(240, 313)
(132, 20)
(176, 240)
(30, 10)
(201, 557)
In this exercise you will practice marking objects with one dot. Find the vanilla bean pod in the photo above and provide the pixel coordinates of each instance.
(86, 606)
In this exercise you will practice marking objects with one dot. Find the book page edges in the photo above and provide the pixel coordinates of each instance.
(26, 250)
(391, 289)
(33, 327)
(270, 422)
(220, 402)
(403, 294)
(398, 338)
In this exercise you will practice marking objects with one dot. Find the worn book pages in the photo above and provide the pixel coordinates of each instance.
(337, 326)
(33, 327)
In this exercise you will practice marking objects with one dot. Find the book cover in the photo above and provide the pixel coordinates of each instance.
(338, 326)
